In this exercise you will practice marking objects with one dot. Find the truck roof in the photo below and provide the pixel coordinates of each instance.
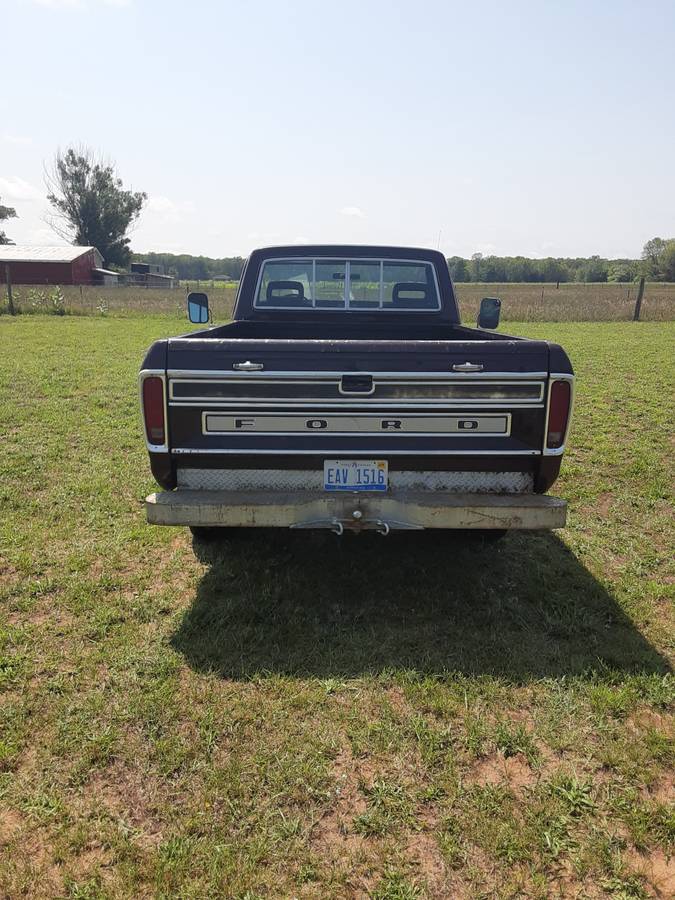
(366, 250)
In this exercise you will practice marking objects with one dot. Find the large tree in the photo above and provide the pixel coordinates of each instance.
(6, 212)
(91, 205)
(658, 257)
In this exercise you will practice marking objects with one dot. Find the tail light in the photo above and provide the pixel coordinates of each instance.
(558, 413)
(153, 410)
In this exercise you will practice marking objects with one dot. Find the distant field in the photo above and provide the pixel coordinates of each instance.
(299, 716)
(521, 302)
(570, 302)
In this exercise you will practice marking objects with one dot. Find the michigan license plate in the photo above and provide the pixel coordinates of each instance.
(355, 475)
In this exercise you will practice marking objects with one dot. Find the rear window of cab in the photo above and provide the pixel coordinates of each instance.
(354, 284)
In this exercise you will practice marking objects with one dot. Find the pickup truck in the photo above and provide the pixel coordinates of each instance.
(347, 395)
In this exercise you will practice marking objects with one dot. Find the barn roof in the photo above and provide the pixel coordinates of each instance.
(31, 253)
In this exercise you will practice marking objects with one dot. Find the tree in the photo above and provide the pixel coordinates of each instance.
(194, 267)
(668, 261)
(651, 253)
(658, 259)
(91, 205)
(476, 260)
(458, 268)
(6, 212)
(595, 269)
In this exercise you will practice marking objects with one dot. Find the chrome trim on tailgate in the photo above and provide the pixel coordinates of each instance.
(388, 389)
(348, 424)
(370, 453)
(317, 376)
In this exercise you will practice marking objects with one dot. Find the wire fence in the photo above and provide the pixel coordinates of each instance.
(567, 302)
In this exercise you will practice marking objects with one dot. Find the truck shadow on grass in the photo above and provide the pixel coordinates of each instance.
(310, 604)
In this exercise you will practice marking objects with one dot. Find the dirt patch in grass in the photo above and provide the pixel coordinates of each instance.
(35, 865)
(425, 856)
(333, 832)
(651, 718)
(9, 574)
(89, 861)
(397, 699)
(565, 883)
(10, 824)
(127, 796)
(662, 790)
(657, 869)
(603, 504)
(514, 771)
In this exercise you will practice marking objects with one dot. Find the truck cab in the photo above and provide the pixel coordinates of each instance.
(347, 395)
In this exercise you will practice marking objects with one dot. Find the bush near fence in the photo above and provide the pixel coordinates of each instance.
(570, 302)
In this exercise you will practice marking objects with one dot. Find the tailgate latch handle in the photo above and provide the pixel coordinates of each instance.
(248, 366)
(467, 367)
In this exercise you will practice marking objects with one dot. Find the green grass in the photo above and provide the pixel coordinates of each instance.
(295, 715)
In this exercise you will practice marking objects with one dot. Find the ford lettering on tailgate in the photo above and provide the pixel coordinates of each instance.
(485, 424)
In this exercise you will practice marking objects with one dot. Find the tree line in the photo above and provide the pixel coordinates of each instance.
(656, 263)
(194, 268)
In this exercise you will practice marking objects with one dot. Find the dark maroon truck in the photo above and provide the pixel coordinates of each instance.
(345, 394)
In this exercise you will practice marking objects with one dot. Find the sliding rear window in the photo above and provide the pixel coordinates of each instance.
(355, 284)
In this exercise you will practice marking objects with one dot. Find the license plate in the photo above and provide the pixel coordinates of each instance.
(355, 474)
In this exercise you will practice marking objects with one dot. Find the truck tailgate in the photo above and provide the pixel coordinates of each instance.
(356, 397)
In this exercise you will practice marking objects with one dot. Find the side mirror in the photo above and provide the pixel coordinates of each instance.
(490, 309)
(198, 308)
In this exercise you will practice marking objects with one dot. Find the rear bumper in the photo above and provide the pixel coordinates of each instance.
(356, 512)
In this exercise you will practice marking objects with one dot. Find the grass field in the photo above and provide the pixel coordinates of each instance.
(521, 302)
(299, 716)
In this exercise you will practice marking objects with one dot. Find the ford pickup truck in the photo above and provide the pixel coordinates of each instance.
(347, 395)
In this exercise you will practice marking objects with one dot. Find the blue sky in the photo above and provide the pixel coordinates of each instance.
(529, 128)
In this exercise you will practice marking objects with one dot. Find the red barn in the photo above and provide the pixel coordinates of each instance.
(49, 265)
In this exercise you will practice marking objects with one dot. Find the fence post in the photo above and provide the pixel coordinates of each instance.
(638, 300)
(10, 299)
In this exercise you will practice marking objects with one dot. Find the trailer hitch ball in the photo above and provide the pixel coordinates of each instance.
(357, 514)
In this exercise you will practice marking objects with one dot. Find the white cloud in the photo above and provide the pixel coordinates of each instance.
(162, 210)
(16, 188)
(166, 210)
(17, 139)
(301, 239)
(353, 211)
(160, 204)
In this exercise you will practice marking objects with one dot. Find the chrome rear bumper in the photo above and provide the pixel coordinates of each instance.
(355, 512)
